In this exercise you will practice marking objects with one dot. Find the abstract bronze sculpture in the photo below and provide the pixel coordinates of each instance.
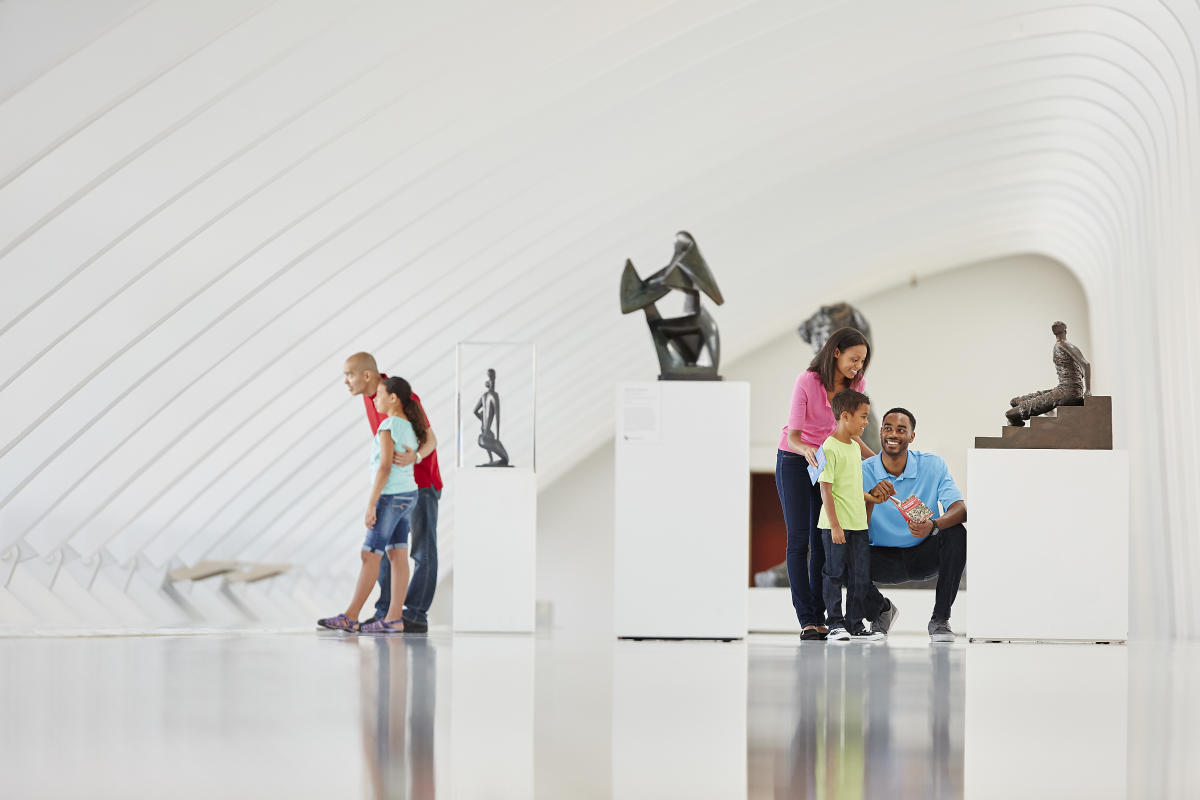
(1074, 382)
(681, 341)
(487, 411)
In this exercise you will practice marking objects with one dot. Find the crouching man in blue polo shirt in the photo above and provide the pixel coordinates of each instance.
(901, 551)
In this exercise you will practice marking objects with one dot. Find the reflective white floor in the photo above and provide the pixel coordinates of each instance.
(326, 715)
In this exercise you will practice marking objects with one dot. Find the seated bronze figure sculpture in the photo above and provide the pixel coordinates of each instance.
(680, 341)
(1074, 382)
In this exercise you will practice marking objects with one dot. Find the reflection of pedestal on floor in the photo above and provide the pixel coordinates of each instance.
(1046, 721)
(682, 510)
(491, 717)
(495, 529)
(1049, 544)
(679, 720)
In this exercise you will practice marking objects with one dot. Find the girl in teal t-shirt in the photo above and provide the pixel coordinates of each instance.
(389, 509)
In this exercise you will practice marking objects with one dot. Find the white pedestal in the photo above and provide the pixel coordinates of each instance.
(1048, 534)
(682, 510)
(495, 534)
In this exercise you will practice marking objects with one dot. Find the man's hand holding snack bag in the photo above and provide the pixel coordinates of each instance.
(918, 516)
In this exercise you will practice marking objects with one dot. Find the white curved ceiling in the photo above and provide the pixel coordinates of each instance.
(205, 206)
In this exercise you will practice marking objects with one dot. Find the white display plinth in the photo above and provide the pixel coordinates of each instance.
(682, 510)
(495, 534)
(1048, 534)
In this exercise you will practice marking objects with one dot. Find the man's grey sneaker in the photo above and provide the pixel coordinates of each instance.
(887, 618)
(939, 631)
(865, 635)
(839, 635)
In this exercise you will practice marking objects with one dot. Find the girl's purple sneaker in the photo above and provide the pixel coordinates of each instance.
(339, 623)
(383, 626)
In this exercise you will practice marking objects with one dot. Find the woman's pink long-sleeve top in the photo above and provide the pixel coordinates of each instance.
(811, 413)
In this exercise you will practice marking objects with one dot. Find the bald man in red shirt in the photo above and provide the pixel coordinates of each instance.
(362, 377)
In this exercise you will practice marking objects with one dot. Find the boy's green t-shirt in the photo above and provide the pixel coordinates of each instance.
(843, 471)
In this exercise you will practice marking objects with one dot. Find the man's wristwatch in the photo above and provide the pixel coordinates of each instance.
(934, 529)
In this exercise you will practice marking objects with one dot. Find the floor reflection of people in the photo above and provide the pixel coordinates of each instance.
(885, 766)
(874, 721)
(398, 686)
(828, 752)
(946, 763)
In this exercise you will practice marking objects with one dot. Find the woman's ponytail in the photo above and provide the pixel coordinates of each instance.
(416, 417)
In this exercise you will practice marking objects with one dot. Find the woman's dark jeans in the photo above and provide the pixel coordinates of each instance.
(801, 502)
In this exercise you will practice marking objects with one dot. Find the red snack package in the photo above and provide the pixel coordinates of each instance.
(912, 509)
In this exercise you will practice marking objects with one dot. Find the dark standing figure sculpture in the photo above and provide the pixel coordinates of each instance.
(680, 341)
(1074, 382)
(487, 411)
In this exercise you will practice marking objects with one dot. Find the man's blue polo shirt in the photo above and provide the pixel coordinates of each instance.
(926, 476)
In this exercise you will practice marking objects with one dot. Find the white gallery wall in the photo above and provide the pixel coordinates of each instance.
(205, 206)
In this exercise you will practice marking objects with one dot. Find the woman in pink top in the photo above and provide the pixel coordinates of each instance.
(841, 364)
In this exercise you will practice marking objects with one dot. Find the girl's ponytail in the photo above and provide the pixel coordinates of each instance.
(416, 417)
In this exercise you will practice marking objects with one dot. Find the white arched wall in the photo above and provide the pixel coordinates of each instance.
(204, 207)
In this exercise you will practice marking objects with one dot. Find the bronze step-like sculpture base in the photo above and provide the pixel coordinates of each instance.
(1085, 427)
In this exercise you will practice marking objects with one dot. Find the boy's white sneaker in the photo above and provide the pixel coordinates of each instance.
(868, 636)
(839, 635)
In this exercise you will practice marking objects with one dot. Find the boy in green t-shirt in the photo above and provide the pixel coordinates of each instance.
(845, 512)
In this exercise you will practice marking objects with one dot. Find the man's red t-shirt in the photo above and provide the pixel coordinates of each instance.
(426, 474)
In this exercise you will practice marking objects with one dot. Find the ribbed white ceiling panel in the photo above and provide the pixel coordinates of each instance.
(205, 206)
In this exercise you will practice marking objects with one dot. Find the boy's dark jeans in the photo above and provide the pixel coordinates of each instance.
(846, 565)
(943, 555)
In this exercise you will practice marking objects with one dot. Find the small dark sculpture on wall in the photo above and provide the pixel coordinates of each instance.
(1074, 382)
(681, 341)
(817, 329)
(487, 411)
